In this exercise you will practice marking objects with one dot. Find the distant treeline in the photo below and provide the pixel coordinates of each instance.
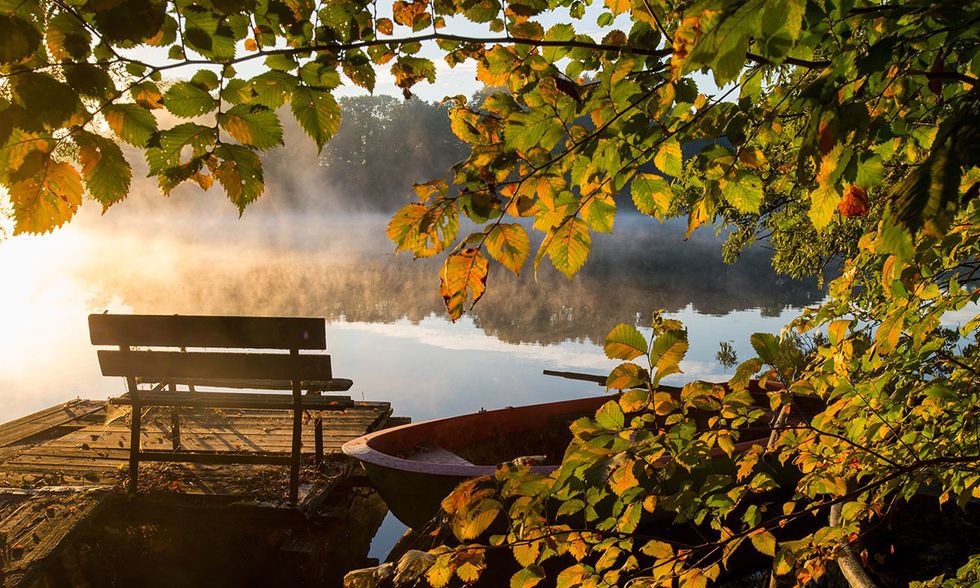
(385, 144)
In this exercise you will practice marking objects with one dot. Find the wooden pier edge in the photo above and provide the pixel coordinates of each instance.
(62, 467)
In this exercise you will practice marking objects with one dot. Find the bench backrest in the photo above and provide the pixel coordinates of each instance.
(229, 332)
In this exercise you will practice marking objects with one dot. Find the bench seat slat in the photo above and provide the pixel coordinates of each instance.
(232, 366)
(237, 332)
(332, 385)
(233, 400)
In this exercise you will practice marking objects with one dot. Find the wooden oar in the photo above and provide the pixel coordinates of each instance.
(594, 378)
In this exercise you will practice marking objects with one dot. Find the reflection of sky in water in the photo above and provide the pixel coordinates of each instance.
(423, 364)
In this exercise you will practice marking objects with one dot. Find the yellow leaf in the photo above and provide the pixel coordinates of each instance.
(765, 542)
(407, 13)
(627, 375)
(752, 157)
(625, 342)
(48, 199)
(622, 478)
(526, 552)
(463, 277)
(668, 158)
(440, 573)
(568, 246)
(888, 334)
(424, 230)
(529, 577)
(509, 245)
(577, 547)
(618, 6)
(658, 549)
(693, 579)
(471, 563)
(823, 204)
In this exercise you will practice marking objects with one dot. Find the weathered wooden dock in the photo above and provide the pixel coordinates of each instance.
(63, 466)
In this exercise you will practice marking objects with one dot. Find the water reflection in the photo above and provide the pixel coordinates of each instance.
(387, 330)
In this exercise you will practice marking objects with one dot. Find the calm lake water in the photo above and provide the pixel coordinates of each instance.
(386, 327)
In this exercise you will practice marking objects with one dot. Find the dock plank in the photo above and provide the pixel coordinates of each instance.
(40, 525)
(35, 424)
(99, 453)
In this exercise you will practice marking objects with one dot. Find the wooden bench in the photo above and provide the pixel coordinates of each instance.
(164, 359)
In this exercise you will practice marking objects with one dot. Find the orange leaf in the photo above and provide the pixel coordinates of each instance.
(463, 276)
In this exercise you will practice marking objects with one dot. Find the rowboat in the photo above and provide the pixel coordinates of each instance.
(415, 466)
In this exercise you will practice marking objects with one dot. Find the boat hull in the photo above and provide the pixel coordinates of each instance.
(413, 489)
(415, 466)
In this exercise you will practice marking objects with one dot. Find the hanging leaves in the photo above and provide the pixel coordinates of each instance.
(47, 196)
(255, 126)
(509, 245)
(187, 100)
(20, 39)
(240, 174)
(316, 111)
(567, 245)
(107, 173)
(463, 278)
(130, 123)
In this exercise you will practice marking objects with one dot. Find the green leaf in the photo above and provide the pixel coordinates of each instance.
(131, 123)
(50, 102)
(528, 577)
(89, 80)
(599, 212)
(651, 195)
(272, 89)
(186, 100)
(567, 246)
(536, 127)
(626, 375)
(766, 346)
(317, 112)
(610, 416)
(823, 205)
(510, 245)
(252, 125)
(780, 27)
(668, 158)
(107, 173)
(745, 192)
(240, 174)
(667, 352)
(625, 342)
(67, 38)
(20, 39)
(764, 542)
(47, 198)
(171, 142)
(128, 22)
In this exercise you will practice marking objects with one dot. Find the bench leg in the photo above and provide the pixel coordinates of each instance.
(318, 440)
(174, 423)
(297, 443)
(134, 437)
(175, 428)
